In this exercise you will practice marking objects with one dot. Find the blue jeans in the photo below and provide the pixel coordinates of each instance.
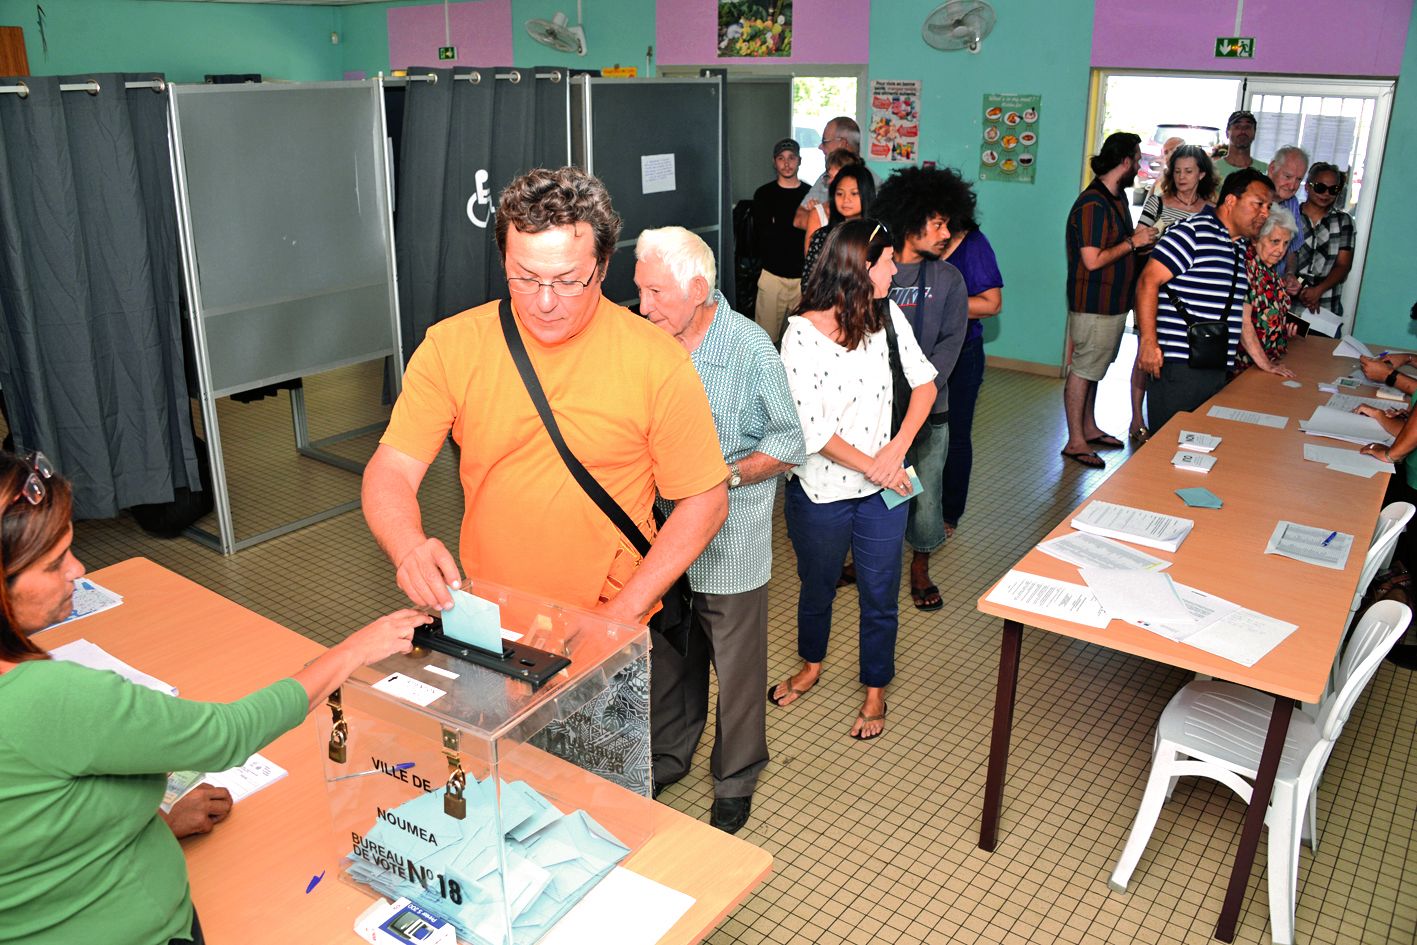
(965, 381)
(821, 535)
(925, 531)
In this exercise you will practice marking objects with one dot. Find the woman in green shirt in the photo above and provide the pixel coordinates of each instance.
(84, 755)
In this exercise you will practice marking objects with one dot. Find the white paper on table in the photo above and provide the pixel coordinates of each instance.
(96, 657)
(1345, 426)
(258, 773)
(1204, 609)
(88, 599)
(1152, 529)
(1349, 347)
(1323, 322)
(640, 911)
(1347, 461)
(1349, 402)
(1306, 543)
(1199, 442)
(1242, 636)
(1198, 462)
(1248, 416)
(1086, 549)
(1049, 597)
(1136, 595)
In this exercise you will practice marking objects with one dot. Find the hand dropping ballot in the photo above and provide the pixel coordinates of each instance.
(473, 621)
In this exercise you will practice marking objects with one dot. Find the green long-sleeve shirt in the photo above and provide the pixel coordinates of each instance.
(84, 856)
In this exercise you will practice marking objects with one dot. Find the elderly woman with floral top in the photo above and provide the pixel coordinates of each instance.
(1268, 300)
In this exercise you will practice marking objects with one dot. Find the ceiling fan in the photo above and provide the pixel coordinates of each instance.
(558, 34)
(959, 24)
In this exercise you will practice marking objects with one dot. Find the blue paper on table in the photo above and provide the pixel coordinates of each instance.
(893, 498)
(551, 859)
(1199, 498)
(474, 621)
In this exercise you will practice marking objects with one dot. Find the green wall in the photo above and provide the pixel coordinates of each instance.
(1389, 288)
(1043, 47)
(184, 40)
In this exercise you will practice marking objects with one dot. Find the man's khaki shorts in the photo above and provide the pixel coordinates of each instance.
(1096, 340)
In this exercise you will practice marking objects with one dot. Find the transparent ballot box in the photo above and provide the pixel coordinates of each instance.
(483, 800)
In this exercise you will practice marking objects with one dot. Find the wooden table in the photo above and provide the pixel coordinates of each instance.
(1262, 477)
(249, 875)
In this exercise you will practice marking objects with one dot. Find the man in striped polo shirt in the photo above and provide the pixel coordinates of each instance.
(1198, 270)
(1101, 272)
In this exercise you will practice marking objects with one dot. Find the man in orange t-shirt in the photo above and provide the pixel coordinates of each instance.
(626, 397)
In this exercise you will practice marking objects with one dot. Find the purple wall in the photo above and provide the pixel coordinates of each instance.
(481, 31)
(825, 31)
(1296, 37)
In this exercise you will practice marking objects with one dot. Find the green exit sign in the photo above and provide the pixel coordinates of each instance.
(1235, 47)
(451, 52)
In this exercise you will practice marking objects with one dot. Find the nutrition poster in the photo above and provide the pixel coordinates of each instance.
(1009, 149)
(895, 121)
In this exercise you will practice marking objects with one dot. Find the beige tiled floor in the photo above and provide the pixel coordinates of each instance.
(875, 842)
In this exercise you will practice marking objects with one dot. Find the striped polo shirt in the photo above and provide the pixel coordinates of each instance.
(1204, 261)
(1100, 218)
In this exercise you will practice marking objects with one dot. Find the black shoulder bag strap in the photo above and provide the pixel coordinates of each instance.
(594, 489)
(1185, 313)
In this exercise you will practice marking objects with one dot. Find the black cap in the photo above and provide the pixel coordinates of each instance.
(1240, 115)
(786, 144)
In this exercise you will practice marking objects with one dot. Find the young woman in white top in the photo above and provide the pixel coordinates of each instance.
(836, 352)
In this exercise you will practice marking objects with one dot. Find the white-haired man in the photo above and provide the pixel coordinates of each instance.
(760, 438)
(1287, 168)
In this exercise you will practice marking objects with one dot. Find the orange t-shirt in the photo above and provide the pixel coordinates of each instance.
(631, 408)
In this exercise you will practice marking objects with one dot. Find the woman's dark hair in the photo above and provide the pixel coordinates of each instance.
(27, 533)
(1319, 167)
(912, 195)
(865, 185)
(1119, 146)
(840, 282)
(1206, 187)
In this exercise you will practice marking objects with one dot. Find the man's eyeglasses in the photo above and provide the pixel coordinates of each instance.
(565, 288)
(1318, 188)
(33, 490)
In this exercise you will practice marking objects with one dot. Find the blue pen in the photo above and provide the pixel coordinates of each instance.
(1383, 355)
(401, 766)
(1331, 537)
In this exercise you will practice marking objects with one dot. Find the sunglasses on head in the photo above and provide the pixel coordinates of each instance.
(1319, 188)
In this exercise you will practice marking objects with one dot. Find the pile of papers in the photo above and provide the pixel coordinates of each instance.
(1327, 549)
(1197, 462)
(1351, 402)
(1198, 442)
(1346, 426)
(1152, 529)
(1351, 347)
(1084, 549)
(450, 867)
(257, 773)
(1248, 416)
(1347, 461)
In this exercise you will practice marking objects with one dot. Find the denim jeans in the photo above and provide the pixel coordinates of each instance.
(926, 528)
(821, 535)
(965, 381)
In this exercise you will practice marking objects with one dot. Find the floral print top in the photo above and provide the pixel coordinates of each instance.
(1270, 306)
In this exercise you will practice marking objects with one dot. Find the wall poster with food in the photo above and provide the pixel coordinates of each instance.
(895, 121)
(1009, 150)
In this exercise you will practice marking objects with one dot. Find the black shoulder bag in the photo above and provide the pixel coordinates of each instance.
(675, 619)
(1208, 341)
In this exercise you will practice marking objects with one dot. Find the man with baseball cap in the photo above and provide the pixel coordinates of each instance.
(1240, 129)
(779, 242)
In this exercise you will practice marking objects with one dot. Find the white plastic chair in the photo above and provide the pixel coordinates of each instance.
(1216, 729)
(1392, 520)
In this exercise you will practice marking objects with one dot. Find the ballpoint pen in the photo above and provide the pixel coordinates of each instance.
(401, 766)
(1331, 537)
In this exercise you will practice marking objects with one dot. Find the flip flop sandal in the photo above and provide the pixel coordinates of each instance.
(791, 689)
(1106, 441)
(921, 594)
(872, 718)
(1089, 459)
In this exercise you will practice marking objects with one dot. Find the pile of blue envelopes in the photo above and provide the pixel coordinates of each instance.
(451, 867)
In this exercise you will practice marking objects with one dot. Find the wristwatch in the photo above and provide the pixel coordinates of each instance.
(735, 476)
(1391, 379)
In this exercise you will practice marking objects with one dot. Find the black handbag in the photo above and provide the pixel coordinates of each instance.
(1208, 341)
(676, 617)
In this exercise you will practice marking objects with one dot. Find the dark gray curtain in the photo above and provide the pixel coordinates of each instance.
(461, 143)
(90, 325)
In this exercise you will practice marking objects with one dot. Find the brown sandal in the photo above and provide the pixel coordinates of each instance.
(863, 718)
(792, 690)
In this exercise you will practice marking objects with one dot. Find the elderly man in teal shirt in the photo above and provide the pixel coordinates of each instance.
(761, 438)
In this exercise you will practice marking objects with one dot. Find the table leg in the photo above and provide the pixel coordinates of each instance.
(999, 742)
(1254, 818)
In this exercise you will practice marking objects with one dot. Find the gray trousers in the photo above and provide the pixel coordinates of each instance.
(732, 632)
(1180, 387)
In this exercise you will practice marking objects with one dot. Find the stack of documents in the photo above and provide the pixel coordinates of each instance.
(257, 773)
(96, 657)
(1248, 416)
(552, 860)
(1345, 426)
(1347, 461)
(1083, 549)
(1199, 462)
(1152, 529)
(1198, 442)
(1351, 402)
(1327, 549)
(1350, 347)
(1222, 628)
(1136, 596)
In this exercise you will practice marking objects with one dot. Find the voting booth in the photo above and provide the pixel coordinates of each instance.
(487, 801)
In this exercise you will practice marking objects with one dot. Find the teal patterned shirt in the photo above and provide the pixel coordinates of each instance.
(753, 411)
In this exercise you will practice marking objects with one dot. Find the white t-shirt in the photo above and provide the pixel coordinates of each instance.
(847, 394)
